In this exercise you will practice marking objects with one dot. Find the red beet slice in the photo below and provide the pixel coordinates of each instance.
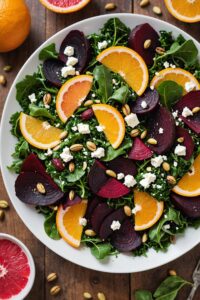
(52, 71)
(87, 114)
(100, 212)
(97, 177)
(139, 150)
(188, 141)
(126, 238)
(58, 164)
(105, 229)
(113, 189)
(161, 118)
(188, 206)
(25, 189)
(138, 36)
(122, 165)
(150, 97)
(190, 100)
(80, 43)
(69, 202)
(33, 164)
(91, 206)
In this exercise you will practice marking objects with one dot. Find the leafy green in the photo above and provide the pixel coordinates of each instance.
(100, 251)
(165, 39)
(50, 226)
(121, 95)
(143, 295)
(170, 92)
(22, 150)
(14, 121)
(36, 111)
(103, 80)
(76, 175)
(48, 52)
(113, 153)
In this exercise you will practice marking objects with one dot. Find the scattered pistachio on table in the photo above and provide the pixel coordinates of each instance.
(110, 6)
(51, 277)
(55, 290)
(7, 68)
(3, 80)
(2, 215)
(4, 204)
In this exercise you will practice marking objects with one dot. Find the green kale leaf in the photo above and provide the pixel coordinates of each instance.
(170, 92)
(48, 52)
(103, 81)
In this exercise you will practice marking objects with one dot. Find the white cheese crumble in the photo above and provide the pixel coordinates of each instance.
(57, 125)
(148, 169)
(187, 112)
(100, 152)
(47, 106)
(66, 155)
(66, 71)
(46, 125)
(148, 178)
(180, 150)
(115, 225)
(132, 120)
(172, 66)
(32, 98)
(100, 128)
(144, 104)
(129, 181)
(75, 128)
(72, 61)
(175, 114)
(175, 164)
(49, 152)
(120, 176)
(83, 128)
(160, 130)
(157, 161)
(167, 226)
(136, 209)
(157, 74)
(166, 64)
(93, 95)
(69, 51)
(102, 45)
(189, 86)
(82, 221)
(77, 73)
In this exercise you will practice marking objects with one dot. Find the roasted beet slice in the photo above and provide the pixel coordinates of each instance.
(151, 98)
(190, 100)
(105, 229)
(100, 212)
(92, 204)
(139, 150)
(122, 165)
(188, 206)
(138, 36)
(188, 141)
(52, 71)
(80, 43)
(126, 238)
(33, 164)
(97, 177)
(113, 189)
(69, 202)
(26, 191)
(161, 118)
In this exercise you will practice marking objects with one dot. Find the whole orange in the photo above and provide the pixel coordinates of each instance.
(15, 22)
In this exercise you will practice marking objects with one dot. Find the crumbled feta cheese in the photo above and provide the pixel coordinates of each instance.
(69, 51)
(72, 61)
(144, 104)
(158, 186)
(177, 123)
(129, 181)
(157, 161)
(149, 169)
(77, 73)
(175, 114)
(166, 64)
(102, 45)
(148, 178)
(83, 128)
(49, 152)
(47, 106)
(180, 150)
(57, 125)
(32, 98)
(82, 221)
(167, 226)
(161, 130)
(175, 164)
(172, 66)
(75, 128)
(115, 225)
(164, 157)
(46, 125)
(100, 128)
(66, 71)
(114, 81)
(132, 120)
(100, 152)
(93, 95)
(189, 86)
(187, 112)
(136, 209)
(120, 176)
(157, 74)
(66, 155)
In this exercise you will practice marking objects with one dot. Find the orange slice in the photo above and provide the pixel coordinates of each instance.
(129, 64)
(112, 123)
(40, 134)
(189, 185)
(72, 94)
(178, 75)
(149, 210)
(184, 10)
(68, 222)
(64, 7)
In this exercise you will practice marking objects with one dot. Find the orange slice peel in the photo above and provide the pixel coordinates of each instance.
(184, 10)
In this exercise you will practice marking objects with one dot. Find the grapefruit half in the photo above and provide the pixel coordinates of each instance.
(64, 6)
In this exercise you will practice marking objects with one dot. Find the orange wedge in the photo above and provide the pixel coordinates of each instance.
(178, 75)
(149, 210)
(189, 185)
(68, 222)
(40, 134)
(184, 10)
(112, 123)
(72, 94)
(129, 64)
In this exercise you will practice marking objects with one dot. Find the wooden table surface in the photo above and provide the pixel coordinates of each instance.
(73, 279)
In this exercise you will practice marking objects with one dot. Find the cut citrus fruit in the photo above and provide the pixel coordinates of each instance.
(68, 222)
(64, 6)
(148, 210)
(112, 123)
(184, 10)
(178, 75)
(129, 64)
(189, 185)
(72, 94)
(40, 134)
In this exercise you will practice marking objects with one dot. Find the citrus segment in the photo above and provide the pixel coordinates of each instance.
(112, 123)
(148, 210)
(72, 94)
(64, 6)
(178, 75)
(184, 10)
(68, 222)
(189, 185)
(129, 64)
(39, 134)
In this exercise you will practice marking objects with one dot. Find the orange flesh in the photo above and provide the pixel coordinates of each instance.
(184, 8)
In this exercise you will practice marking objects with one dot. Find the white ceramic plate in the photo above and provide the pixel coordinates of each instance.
(123, 263)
